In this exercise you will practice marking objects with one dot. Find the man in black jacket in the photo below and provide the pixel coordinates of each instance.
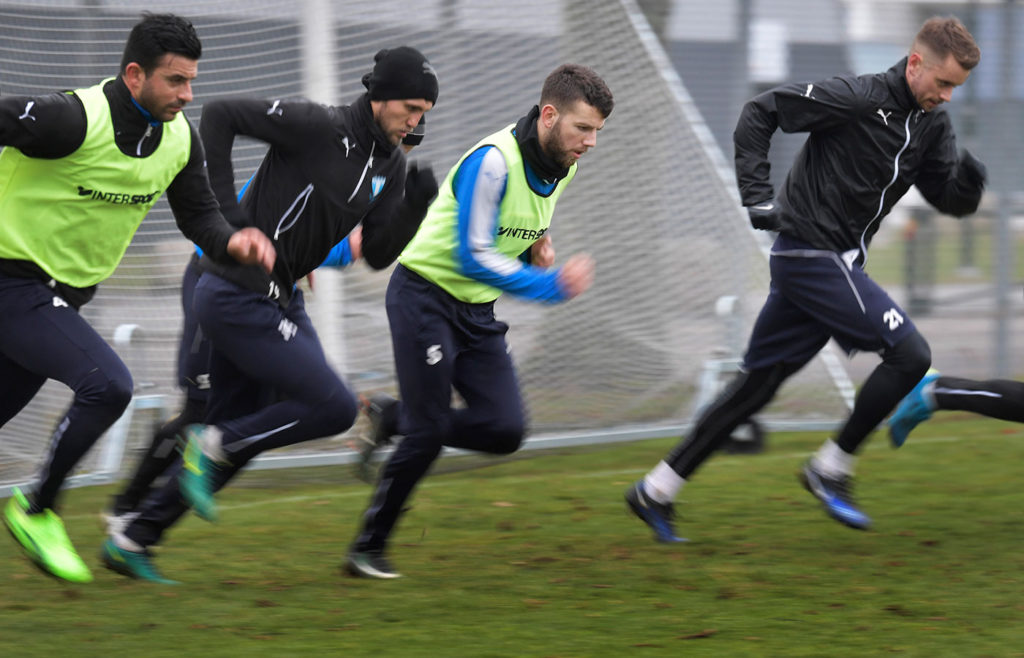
(194, 376)
(327, 170)
(79, 172)
(871, 138)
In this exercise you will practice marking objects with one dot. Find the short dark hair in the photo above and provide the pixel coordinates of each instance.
(155, 36)
(946, 35)
(570, 83)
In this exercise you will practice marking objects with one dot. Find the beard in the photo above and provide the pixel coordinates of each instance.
(160, 112)
(552, 146)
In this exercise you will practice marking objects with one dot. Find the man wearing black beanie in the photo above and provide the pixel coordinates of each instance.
(328, 169)
(484, 235)
(193, 364)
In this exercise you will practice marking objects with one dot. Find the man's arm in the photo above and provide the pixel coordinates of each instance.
(479, 188)
(199, 218)
(797, 107)
(281, 124)
(48, 126)
(394, 221)
(952, 184)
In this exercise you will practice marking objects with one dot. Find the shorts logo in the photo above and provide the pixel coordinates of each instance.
(892, 318)
(287, 329)
(58, 302)
(434, 355)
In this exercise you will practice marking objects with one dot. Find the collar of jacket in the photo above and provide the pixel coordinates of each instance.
(130, 125)
(366, 129)
(529, 144)
(897, 80)
(122, 108)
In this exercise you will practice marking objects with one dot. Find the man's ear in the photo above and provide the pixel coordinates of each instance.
(915, 61)
(134, 76)
(548, 115)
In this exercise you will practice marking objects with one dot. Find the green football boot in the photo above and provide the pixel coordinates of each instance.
(134, 564)
(45, 541)
(196, 479)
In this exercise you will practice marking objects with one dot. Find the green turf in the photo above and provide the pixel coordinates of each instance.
(535, 556)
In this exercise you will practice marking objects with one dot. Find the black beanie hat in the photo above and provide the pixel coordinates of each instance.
(401, 72)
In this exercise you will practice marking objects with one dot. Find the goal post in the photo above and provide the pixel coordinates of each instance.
(654, 203)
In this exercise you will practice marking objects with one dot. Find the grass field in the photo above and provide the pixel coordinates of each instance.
(535, 556)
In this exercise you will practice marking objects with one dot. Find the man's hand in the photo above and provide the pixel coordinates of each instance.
(355, 242)
(576, 275)
(973, 170)
(542, 252)
(250, 246)
(420, 186)
(764, 216)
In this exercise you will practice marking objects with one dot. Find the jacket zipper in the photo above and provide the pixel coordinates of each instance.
(366, 167)
(895, 175)
(145, 135)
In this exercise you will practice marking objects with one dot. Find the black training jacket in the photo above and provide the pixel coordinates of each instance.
(328, 168)
(869, 142)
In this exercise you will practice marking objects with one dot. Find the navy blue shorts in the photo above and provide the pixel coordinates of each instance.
(439, 343)
(815, 296)
(270, 380)
(43, 337)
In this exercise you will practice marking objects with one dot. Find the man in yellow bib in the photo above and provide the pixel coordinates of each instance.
(486, 233)
(79, 172)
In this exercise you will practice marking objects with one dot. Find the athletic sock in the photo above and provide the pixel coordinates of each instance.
(212, 444)
(833, 460)
(662, 484)
(125, 544)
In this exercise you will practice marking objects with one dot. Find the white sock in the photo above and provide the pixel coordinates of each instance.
(663, 484)
(212, 444)
(928, 393)
(833, 460)
(121, 541)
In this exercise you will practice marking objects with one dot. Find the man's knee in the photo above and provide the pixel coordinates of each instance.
(111, 391)
(506, 436)
(344, 410)
(912, 356)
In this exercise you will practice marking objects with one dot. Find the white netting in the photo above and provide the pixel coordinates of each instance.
(651, 203)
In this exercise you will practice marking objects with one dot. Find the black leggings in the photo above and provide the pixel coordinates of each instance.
(745, 395)
(903, 365)
(995, 398)
(159, 456)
